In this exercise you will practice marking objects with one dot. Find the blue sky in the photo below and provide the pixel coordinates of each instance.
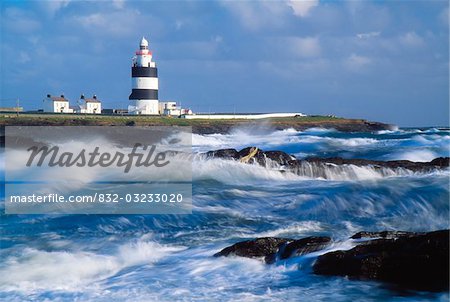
(385, 60)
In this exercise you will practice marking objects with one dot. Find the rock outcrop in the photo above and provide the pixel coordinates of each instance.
(264, 247)
(437, 163)
(304, 246)
(273, 248)
(253, 155)
(406, 260)
(316, 165)
(413, 261)
(384, 235)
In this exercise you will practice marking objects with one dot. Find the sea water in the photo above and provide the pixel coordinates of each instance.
(169, 257)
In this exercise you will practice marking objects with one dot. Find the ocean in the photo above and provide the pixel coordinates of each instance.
(170, 257)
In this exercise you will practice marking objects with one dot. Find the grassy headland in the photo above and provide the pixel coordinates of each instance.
(204, 126)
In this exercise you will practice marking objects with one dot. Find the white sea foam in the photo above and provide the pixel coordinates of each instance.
(233, 172)
(242, 138)
(76, 178)
(296, 230)
(320, 130)
(34, 270)
(388, 132)
(338, 142)
(414, 155)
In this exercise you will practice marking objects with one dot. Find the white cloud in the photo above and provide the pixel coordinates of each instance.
(118, 23)
(306, 69)
(23, 57)
(119, 4)
(356, 62)
(179, 24)
(302, 7)
(444, 16)
(412, 39)
(19, 21)
(257, 15)
(52, 7)
(217, 39)
(203, 49)
(368, 35)
(246, 13)
(305, 47)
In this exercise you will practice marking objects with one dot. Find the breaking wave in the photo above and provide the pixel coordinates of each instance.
(234, 172)
(35, 269)
(112, 257)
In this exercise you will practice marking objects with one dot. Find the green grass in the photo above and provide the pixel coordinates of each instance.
(28, 119)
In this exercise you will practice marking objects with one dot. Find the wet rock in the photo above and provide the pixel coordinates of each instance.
(223, 153)
(385, 234)
(417, 262)
(304, 246)
(317, 165)
(253, 154)
(280, 157)
(257, 248)
(272, 248)
(441, 162)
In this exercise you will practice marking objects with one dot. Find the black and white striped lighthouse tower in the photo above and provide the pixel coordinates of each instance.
(144, 82)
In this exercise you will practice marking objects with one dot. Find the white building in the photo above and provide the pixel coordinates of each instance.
(170, 108)
(244, 116)
(58, 104)
(89, 105)
(144, 82)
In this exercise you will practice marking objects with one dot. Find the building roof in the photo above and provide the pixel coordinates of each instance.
(92, 101)
(144, 42)
(58, 99)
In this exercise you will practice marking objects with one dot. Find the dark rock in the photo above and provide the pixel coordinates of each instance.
(260, 247)
(245, 152)
(260, 157)
(318, 166)
(395, 164)
(272, 248)
(441, 162)
(280, 157)
(223, 153)
(385, 234)
(304, 246)
(419, 262)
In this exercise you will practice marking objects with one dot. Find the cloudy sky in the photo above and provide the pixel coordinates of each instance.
(385, 60)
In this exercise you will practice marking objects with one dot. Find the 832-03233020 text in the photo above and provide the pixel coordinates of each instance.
(99, 198)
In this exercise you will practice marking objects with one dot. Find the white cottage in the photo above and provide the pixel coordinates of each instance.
(57, 104)
(89, 105)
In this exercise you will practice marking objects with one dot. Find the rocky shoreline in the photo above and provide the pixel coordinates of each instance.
(344, 125)
(407, 260)
(315, 165)
(199, 126)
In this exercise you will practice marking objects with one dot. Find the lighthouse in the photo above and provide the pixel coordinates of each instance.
(144, 82)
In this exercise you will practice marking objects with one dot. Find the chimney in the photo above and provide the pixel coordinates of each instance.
(62, 95)
(48, 95)
(95, 97)
(82, 96)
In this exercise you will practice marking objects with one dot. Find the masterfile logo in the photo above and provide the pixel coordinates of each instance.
(53, 157)
(100, 170)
